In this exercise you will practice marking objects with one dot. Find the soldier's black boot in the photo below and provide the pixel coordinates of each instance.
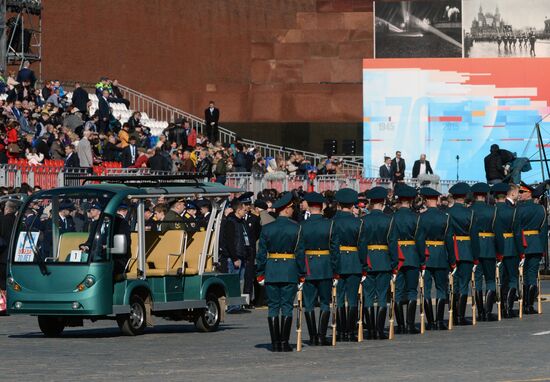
(381, 323)
(456, 298)
(411, 315)
(341, 334)
(352, 324)
(489, 302)
(463, 302)
(372, 323)
(285, 334)
(504, 302)
(367, 323)
(531, 296)
(481, 314)
(324, 316)
(400, 329)
(510, 298)
(440, 311)
(274, 332)
(429, 313)
(311, 329)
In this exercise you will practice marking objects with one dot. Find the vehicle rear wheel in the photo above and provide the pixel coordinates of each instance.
(209, 319)
(134, 324)
(51, 326)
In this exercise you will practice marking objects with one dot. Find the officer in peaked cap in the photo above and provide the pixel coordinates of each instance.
(280, 265)
(485, 219)
(465, 246)
(322, 248)
(378, 261)
(409, 258)
(348, 229)
(434, 239)
(506, 253)
(531, 236)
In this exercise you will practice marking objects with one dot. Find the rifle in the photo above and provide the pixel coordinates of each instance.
(451, 299)
(392, 310)
(360, 326)
(520, 291)
(498, 295)
(299, 323)
(539, 292)
(474, 308)
(422, 315)
(333, 315)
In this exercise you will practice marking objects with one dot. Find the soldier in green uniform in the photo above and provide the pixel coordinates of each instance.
(506, 255)
(434, 238)
(405, 225)
(379, 261)
(348, 229)
(280, 265)
(173, 219)
(485, 220)
(531, 235)
(465, 246)
(322, 248)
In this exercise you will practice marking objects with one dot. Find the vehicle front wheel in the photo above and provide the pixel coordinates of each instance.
(51, 326)
(209, 319)
(133, 324)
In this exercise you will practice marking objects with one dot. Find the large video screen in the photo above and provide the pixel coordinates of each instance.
(449, 107)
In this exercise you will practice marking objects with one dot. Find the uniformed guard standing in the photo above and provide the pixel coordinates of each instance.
(322, 248)
(405, 225)
(173, 219)
(531, 235)
(379, 262)
(280, 265)
(507, 254)
(485, 220)
(348, 229)
(434, 239)
(465, 246)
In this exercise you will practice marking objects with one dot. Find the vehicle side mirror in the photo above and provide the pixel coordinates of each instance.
(119, 245)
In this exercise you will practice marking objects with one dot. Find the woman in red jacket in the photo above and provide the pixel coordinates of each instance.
(13, 138)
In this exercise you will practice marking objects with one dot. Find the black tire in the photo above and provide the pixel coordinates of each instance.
(51, 326)
(209, 319)
(134, 324)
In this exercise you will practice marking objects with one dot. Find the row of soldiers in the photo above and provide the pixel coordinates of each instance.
(366, 255)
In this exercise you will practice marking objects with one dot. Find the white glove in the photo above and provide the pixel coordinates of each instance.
(499, 264)
(363, 279)
(335, 282)
(454, 271)
(422, 272)
(212, 123)
(300, 286)
(261, 283)
(474, 268)
(393, 278)
(522, 262)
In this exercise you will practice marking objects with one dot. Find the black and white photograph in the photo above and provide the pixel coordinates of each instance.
(506, 28)
(418, 29)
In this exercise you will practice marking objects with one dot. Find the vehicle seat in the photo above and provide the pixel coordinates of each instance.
(68, 242)
(158, 260)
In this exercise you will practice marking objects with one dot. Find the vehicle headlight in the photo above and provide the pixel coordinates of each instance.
(88, 282)
(11, 282)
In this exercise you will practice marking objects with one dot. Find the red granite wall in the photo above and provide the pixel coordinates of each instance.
(261, 60)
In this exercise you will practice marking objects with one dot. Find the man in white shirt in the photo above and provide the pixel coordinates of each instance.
(421, 167)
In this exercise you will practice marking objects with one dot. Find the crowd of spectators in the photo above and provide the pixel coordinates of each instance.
(39, 124)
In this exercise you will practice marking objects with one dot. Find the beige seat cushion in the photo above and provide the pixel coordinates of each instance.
(68, 242)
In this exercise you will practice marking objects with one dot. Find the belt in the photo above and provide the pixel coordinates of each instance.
(317, 252)
(406, 242)
(381, 247)
(508, 235)
(281, 256)
(486, 234)
(348, 248)
(462, 238)
(435, 243)
(532, 232)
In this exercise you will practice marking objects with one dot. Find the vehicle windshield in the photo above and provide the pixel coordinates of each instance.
(63, 228)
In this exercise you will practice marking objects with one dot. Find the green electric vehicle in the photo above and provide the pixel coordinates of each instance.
(65, 273)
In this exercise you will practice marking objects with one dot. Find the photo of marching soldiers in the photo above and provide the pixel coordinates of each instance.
(408, 29)
(501, 28)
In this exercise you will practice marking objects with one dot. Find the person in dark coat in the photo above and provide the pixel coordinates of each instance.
(71, 157)
(398, 167)
(421, 167)
(494, 167)
(129, 154)
(6, 225)
(104, 112)
(26, 74)
(385, 169)
(204, 166)
(80, 99)
(159, 162)
(211, 119)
